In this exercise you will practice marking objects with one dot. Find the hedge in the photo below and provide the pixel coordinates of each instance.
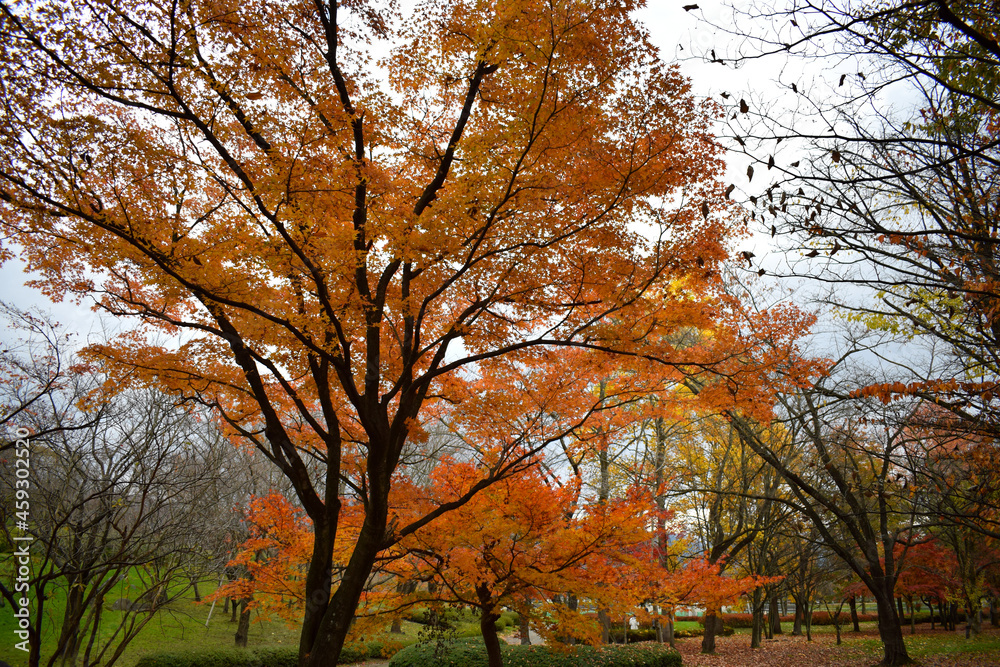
(472, 653)
(819, 618)
(260, 657)
(649, 634)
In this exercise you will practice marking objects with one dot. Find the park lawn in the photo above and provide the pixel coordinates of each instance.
(180, 626)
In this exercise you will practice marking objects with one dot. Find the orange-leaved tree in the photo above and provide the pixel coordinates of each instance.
(329, 241)
(521, 537)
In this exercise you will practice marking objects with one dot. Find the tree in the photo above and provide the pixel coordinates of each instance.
(333, 249)
(898, 200)
(116, 507)
(528, 537)
(850, 487)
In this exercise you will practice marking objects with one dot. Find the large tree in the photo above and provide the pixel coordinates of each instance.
(335, 242)
(883, 172)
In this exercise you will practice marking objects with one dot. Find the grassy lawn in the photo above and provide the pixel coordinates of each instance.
(180, 626)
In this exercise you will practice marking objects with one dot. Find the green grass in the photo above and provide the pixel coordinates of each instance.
(181, 625)
(921, 646)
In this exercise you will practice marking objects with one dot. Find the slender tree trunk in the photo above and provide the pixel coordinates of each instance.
(524, 629)
(758, 625)
(899, 607)
(488, 625)
(236, 611)
(913, 620)
(994, 615)
(197, 595)
(808, 616)
(854, 613)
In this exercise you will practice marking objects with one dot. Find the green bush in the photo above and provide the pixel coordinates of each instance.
(228, 657)
(472, 653)
(260, 657)
(507, 619)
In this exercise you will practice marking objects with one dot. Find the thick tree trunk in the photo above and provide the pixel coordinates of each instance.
(525, 630)
(775, 614)
(243, 629)
(973, 619)
(487, 625)
(890, 629)
(69, 636)
(328, 629)
(797, 627)
(605, 621)
(713, 625)
(854, 613)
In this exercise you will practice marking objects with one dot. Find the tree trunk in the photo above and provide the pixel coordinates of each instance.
(973, 619)
(854, 613)
(397, 626)
(807, 615)
(899, 608)
(797, 627)
(236, 610)
(323, 634)
(994, 614)
(758, 625)
(68, 645)
(889, 628)
(605, 621)
(488, 625)
(524, 629)
(197, 595)
(713, 625)
(775, 615)
(913, 620)
(243, 629)
(573, 604)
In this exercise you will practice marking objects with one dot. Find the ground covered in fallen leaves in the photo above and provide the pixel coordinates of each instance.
(930, 648)
(935, 648)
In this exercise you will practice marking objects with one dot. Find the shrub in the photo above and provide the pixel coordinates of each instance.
(229, 657)
(472, 653)
(262, 657)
